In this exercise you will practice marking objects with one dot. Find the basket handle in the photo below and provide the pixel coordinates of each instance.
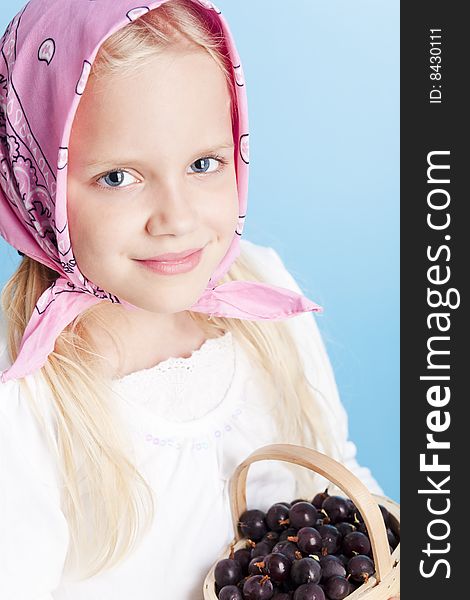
(334, 472)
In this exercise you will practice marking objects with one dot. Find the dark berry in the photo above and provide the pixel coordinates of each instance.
(308, 540)
(277, 566)
(337, 587)
(331, 565)
(355, 543)
(302, 514)
(331, 539)
(227, 572)
(230, 592)
(320, 498)
(344, 527)
(261, 549)
(305, 570)
(360, 567)
(351, 508)
(277, 517)
(252, 525)
(289, 549)
(256, 566)
(243, 557)
(336, 508)
(258, 587)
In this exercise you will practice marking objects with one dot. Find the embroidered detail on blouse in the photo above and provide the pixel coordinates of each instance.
(181, 389)
(204, 442)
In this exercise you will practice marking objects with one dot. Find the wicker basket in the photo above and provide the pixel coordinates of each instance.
(385, 583)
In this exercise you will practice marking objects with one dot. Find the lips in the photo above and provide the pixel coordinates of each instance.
(174, 266)
(173, 255)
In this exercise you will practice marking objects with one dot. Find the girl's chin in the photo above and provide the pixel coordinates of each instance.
(165, 303)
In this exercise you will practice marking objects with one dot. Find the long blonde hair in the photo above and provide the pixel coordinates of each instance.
(92, 450)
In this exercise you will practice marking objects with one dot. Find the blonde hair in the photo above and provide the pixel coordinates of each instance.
(91, 447)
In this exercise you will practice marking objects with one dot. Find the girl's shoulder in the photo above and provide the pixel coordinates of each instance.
(25, 415)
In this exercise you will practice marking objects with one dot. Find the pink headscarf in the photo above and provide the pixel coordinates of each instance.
(46, 56)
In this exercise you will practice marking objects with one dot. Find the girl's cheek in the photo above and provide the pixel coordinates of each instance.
(227, 221)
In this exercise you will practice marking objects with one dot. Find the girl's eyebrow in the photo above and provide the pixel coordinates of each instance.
(93, 164)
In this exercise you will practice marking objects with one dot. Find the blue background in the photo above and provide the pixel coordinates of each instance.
(323, 91)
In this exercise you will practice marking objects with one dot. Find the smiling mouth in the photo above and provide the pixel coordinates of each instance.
(173, 256)
(173, 267)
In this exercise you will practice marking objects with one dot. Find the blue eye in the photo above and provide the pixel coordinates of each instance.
(203, 164)
(114, 178)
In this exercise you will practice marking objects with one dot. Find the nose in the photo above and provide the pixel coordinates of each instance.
(173, 211)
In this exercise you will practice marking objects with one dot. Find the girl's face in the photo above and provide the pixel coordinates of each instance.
(151, 170)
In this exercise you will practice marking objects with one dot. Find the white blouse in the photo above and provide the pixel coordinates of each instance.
(191, 421)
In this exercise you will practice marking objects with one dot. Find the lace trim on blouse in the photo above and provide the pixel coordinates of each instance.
(182, 389)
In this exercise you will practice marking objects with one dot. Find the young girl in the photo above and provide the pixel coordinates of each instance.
(146, 348)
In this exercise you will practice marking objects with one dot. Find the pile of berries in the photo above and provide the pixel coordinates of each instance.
(300, 550)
